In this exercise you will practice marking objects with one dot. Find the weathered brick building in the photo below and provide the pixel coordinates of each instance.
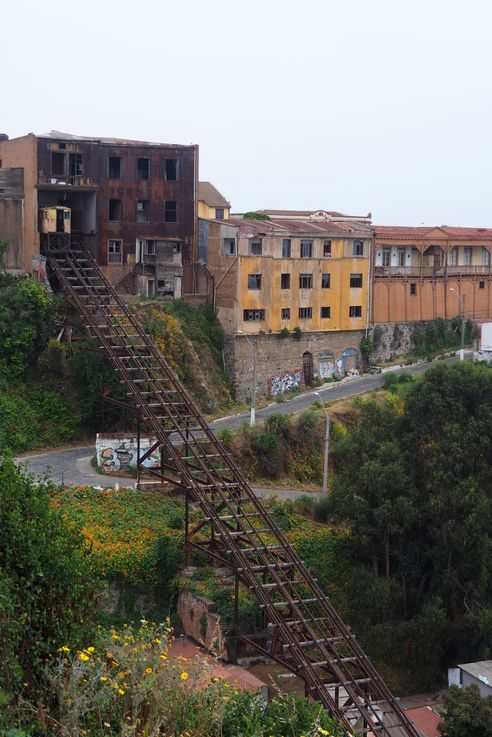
(134, 203)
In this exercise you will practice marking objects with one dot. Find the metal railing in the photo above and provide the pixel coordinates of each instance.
(431, 271)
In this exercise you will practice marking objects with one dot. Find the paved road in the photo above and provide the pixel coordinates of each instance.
(73, 466)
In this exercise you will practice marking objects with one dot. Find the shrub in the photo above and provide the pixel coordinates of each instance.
(284, 333)
(323, 509)
(297, 332)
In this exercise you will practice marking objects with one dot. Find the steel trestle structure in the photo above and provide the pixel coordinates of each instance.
(303, 632)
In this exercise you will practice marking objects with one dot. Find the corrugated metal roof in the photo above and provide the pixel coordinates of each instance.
(446, 231)
(296, 228)
(59, 135)
(482, 670)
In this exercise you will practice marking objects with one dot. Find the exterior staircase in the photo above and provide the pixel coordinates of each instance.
(303, 632)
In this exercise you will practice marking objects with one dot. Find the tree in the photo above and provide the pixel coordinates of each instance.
(46, 584)
(466, 713)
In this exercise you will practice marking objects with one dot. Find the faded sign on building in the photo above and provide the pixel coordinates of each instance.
(118, 452)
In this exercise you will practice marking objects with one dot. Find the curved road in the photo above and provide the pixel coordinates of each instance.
(72, 466)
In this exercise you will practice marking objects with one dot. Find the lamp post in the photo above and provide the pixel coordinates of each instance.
(324, 491)
(253, 392)
(461, 299)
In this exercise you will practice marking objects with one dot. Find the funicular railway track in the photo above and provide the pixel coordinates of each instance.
(303, 632)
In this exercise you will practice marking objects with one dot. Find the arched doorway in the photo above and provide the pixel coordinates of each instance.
(308, 368)
(350, 360)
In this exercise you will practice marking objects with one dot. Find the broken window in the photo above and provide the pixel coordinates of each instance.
(230, 246)
(481, 285)
(285, 313)
(327, 249)
(75, 168)
(284, 281)
(326, 312)
(57, 164)
(115, 251)
(305, 312)
(306, 248)
(413, 289)
(143, 169)
(143, 211)
(355, 281)
(171, 169)
(305, 281)
(149, 248)
(255, 246)
(219, 213)
(286, 245)
(254, 281)
(114, 167)
(357, 248)
(355, 311)
(250, 315)
(171, 211)
(176, 247)
(115, 210)
(325, 281)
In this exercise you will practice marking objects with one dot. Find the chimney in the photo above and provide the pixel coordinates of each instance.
(3, 137)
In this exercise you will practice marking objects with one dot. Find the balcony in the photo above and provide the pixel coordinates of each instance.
(432, 272)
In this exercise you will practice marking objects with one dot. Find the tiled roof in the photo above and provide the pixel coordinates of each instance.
(211, 196)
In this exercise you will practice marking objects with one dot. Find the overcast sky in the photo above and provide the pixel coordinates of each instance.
(352, 105)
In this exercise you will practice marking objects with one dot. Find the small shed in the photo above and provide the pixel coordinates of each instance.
(479, 673)
(55, 219)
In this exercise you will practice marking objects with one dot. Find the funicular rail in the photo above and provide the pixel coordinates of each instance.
(303, 632)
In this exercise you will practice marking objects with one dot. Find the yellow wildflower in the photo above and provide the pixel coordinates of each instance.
(148, 670)
(163, 656)
(83, 656)
(184, 676)
(63, 649)
(121, 692)
(91, 649)
(103, 678)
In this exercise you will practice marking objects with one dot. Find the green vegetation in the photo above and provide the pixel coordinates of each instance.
(256, 216)
(46, 579)
(437, 336)
(466, 713)
(413, 483)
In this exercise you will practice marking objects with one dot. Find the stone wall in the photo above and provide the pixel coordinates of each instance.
(393, 339)
(283, 363)
(202, 623)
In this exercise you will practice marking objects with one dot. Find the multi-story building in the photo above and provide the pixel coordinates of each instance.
(423, 273)
(134, 203)
(12, 216)
(296, 282)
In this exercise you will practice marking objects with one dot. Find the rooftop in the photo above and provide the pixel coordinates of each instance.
(61, 136)
(482, 670)
(435, 231)
(299, 227)
(211, 196)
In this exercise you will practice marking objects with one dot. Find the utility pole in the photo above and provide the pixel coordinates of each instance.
(462, 349)
(253, 397)
(324, 491)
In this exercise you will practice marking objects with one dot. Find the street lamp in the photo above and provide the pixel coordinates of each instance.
(324, 491)
(461, 299)
(253, 393)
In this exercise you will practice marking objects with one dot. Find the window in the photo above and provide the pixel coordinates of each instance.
(453, 257)
(171, 169)
(327, 249)
(114, 167)
(286, 247)
(467, 255)
(255, 246)
(285, 313)
(355, 281)
(219, 213)
(115, 251)
(325, 281)
(481, 285)
(254, 281)
(355, 311)
(401, 257)
(149, 248)
(250, 315)
(485, 257)
(75, 168)
(176, 247)
(306, 248)
(115, 210)
(413, 289)
(305, 281)
(305, 313)
(284, 281)
(326, 312)
(230, 246)
(171, 211)
(386, 257)
(357, 248)
(143, 211)
(57, 164)
(143, 169)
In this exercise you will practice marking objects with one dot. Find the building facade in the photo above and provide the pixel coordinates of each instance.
(211, 204)
(300, 278)
(12, 216)
(425, 273)
(134, 203)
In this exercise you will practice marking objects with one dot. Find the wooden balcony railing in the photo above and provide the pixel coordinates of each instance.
(431, 271)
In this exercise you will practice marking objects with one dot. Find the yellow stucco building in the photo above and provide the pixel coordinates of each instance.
(211, 204)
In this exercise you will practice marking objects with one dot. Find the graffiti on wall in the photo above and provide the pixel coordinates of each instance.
(326, 364)
(286, 381)
(120, 454)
